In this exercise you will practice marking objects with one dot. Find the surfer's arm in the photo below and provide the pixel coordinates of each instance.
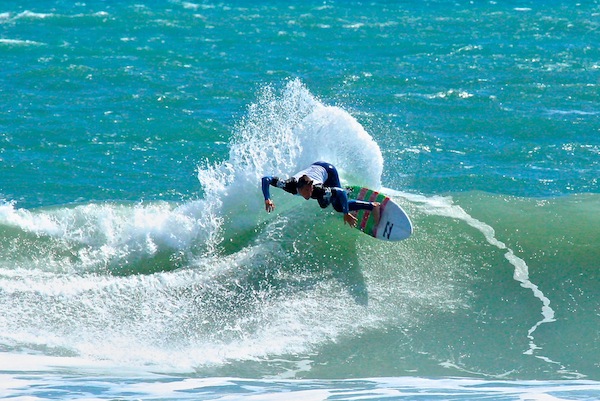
(288, 185)
(266, 182)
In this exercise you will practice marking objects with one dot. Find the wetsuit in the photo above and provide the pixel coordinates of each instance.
(327, 189)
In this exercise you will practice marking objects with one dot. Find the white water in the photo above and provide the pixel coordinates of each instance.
(149, 285)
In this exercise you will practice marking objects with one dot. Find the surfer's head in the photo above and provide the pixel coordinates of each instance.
(305, 186)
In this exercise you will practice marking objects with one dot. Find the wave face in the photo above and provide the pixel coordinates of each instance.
(489, 286)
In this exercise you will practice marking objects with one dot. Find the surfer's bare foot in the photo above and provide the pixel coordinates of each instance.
(376, 212)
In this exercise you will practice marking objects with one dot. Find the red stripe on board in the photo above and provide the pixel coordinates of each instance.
(363, 222)
(367, 214)
(385, 201)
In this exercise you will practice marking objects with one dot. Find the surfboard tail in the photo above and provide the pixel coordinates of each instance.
(394, 224)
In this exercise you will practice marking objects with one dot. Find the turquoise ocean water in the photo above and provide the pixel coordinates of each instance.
(136, 258)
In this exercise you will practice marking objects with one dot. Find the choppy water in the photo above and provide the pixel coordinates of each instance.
(136, 260)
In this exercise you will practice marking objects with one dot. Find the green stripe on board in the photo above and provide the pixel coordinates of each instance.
(372, 197)
(365, 220)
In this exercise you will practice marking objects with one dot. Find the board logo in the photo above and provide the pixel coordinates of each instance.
(387, 231)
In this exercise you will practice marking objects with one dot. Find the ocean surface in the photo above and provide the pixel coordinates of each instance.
(137, 260)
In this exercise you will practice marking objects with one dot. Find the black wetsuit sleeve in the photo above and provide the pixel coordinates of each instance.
(288, 185)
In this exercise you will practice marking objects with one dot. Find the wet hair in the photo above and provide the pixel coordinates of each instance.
(303, 181)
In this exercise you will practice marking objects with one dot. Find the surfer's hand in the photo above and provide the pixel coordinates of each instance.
(269, 205)
(350, 220)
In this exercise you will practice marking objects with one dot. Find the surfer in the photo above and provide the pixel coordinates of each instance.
(320, 181)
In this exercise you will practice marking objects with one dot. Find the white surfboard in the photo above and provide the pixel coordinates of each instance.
(394, 223)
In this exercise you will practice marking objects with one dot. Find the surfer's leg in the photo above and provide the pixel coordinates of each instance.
(359, 205)
(374, 207)
(337, 205)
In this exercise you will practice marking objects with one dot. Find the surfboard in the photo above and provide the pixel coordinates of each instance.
(394, 224)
